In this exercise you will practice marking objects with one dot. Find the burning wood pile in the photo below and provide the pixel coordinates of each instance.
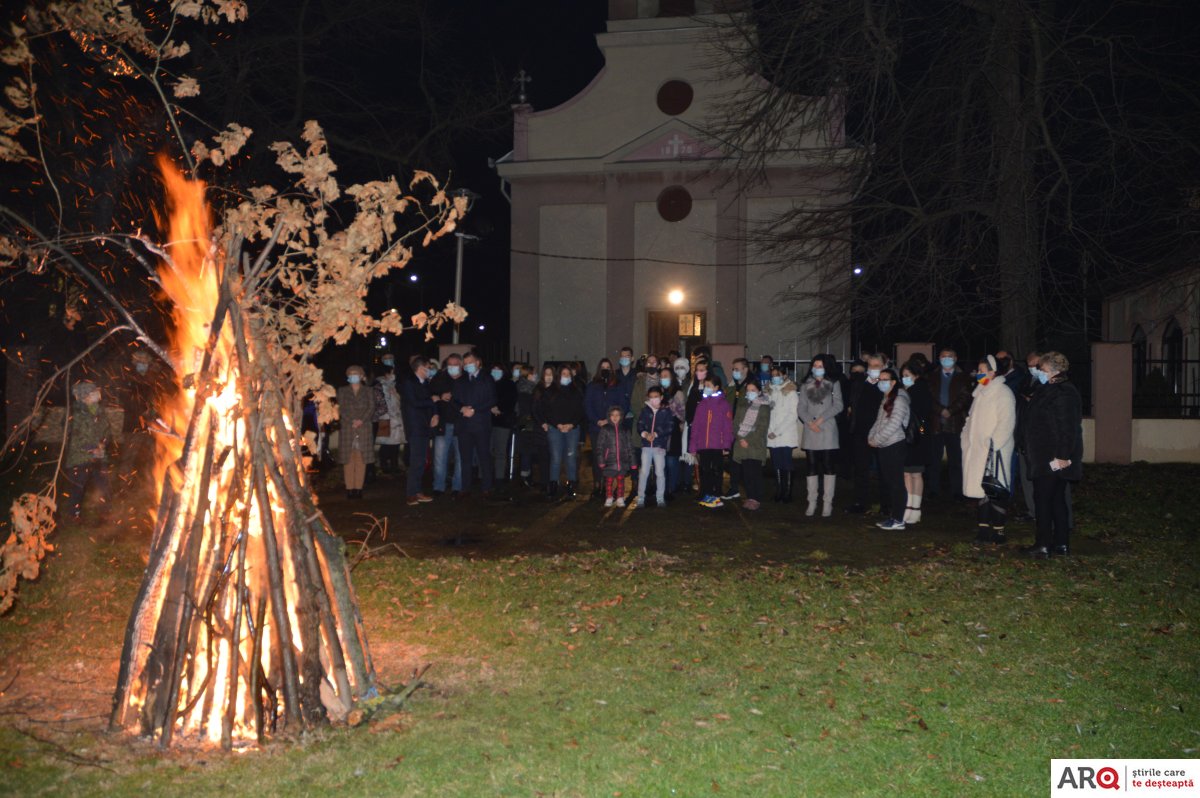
(246, 620)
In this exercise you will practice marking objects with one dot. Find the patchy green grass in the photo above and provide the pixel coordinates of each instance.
(635, 672)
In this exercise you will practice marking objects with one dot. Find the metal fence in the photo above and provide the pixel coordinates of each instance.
(1166, 388)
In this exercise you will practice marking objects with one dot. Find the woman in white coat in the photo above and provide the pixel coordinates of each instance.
(783, 435)
(987, 433)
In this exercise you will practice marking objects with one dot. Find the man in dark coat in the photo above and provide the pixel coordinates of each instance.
(953, 390)
(420, 420)
(474, 396)
(862, 408)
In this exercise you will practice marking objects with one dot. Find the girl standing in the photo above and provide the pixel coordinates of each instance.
(784, 434)
(751, 423)
(820, 402)
(614, 455)
(887, 437)
(920, 451)
(987, 436)
(710, 436)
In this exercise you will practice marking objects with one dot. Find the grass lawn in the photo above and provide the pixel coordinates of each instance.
(642, 671)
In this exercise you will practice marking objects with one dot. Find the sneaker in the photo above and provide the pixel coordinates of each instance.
(423, 499)
(891, 525)
(712, 502)
(608, 502)
(621, 502)
(413, 501)
(731, 496)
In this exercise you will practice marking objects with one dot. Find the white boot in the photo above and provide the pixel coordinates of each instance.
(908, 508)
(814, 484)
(830, 482)
(913, 516)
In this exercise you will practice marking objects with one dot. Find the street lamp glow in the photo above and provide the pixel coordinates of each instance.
(481, 327)
(412, 278)
(675, 297)
(858, 270)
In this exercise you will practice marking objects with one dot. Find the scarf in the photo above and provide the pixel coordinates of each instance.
(750, 417)
(818, 390)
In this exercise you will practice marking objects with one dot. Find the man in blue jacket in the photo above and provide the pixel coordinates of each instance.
(420, 419)
(474, 396)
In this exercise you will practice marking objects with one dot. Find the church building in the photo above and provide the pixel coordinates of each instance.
(625, 227)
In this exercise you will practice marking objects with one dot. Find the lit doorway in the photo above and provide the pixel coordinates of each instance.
(680, 330)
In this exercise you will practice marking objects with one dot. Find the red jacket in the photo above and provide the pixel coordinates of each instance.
(712, 426)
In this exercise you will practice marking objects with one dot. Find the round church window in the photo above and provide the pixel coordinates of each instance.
(674, 97)
(674, 203)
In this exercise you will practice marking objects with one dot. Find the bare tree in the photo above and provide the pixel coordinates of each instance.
(1001, 158)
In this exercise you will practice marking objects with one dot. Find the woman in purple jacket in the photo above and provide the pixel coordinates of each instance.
(710, 436)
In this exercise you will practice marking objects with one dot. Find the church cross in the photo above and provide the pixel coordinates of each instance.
(676, 145)
(521, 79)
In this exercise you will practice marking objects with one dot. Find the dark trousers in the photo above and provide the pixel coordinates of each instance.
(1050, 499)
(710, 471)
(891, 474)
(863, 458)
(992, 514)
(418, 451)
(951, 445)
(389, 457)
(752, 478)
(781, 458)
(475, 446)
(76, 481)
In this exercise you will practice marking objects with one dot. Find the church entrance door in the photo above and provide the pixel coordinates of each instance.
(681, 330)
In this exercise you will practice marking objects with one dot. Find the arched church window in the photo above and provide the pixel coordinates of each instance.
(1172, 354)
(1140, 355)
(674, 204)
(675, 97)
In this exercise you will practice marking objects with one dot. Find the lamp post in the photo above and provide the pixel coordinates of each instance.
(458, 266)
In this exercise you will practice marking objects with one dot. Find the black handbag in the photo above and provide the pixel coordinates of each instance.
(995, 476)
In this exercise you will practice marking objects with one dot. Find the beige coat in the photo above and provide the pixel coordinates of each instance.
(992, 419)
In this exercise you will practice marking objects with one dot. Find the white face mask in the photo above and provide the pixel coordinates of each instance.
(874, 373)
(654, 401)
(681, 373)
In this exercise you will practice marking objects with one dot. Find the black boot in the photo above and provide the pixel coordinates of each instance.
(778, 485)
(552, 491)
(787, 487)
(570, 494)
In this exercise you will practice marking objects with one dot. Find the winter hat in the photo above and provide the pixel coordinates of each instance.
(991, 361)
(681, 362)
(83, 389)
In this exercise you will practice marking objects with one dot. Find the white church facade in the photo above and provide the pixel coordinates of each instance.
(625, 228)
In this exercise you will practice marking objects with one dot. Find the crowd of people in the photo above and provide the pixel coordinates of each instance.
(655, 429)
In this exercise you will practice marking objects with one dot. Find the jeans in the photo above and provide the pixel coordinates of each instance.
(652, 454)
(863, 457)
(445, 445)
(563, 446)
(672, 467)
(76, 482)
(418, 449)
(474, 446)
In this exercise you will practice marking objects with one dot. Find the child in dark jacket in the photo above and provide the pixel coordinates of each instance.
(655, 425)
(615, 460)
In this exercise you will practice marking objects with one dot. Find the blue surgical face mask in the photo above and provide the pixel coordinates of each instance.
(707, 391)
(516, 374)
(1043, 376)
(819, 373)
(353, 379)
(497, 375)
(624, 362)
(947, 362)
(751, 396)
(389, 362)
(564, 381)
(885, 385)
(874, 373)
(764, 367)
(907, 381)
(737, 374)
(777, 380)
(431, 371)
(664, 382)
(453, 371)
(471, 368)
